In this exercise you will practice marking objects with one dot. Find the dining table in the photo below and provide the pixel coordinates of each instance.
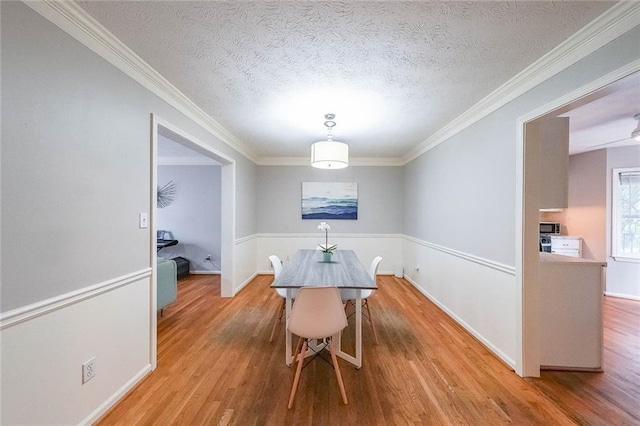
(344, 271)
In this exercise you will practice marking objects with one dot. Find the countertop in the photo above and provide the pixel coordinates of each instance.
(571, 237)
(557, 258)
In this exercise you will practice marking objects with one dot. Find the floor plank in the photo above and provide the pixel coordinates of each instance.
(216, 366)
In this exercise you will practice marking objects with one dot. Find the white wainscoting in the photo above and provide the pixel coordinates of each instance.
(479, 294)
(244, 262)
(44, 346)
(366, 246)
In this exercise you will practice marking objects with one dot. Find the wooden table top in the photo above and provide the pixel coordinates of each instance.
(308, 270)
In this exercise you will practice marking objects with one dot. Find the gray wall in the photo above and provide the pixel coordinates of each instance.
(379, 199)
(462, 194)
(76, 164)
(194, 216)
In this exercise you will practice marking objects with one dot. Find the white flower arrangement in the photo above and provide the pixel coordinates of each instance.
(326, 248)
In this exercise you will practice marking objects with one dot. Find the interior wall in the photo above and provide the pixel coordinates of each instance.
(586, 214)
(194, 216)
(460, 199)
(379, 199)
(623, 277)
(75, 174)
(376, 232)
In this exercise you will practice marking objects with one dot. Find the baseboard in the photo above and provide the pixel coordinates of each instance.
(622, 296)
(498, 353)
(205, 272)
(243, 285)
(116, 397)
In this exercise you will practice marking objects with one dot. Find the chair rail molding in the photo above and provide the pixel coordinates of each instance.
(511, 270)
(34, 310)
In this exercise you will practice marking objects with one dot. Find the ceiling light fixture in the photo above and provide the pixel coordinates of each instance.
(329, 154)
(636, 133)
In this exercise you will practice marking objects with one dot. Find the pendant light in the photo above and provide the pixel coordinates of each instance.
(329, 154)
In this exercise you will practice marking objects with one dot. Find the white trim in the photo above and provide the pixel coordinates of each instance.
(115, 398)
(245, 239)
(626, 259)
(204, 272)
(187, 161)
(29, 312)
(475, 259)
(501, 355)
(270, 272)
(247, 281)
(353, 161)
(617, 20)
(333, 235)
(75, 21)
(621, 296)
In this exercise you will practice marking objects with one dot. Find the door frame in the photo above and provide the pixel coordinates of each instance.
(527, 218)
(228, 209)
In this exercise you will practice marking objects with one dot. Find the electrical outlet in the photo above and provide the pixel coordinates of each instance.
(88, 370)
(208, 257)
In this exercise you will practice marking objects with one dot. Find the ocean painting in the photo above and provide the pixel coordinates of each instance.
(330, 200)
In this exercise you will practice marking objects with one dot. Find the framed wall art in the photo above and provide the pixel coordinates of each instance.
(330, 200)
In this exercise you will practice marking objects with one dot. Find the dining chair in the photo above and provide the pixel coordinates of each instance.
(349, 295)
(317, 314)
(277, 268)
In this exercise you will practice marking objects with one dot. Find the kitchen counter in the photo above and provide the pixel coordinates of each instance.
(557, 258)
(571, 293)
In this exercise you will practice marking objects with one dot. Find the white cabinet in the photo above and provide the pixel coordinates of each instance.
(566, 246)
(554, 162)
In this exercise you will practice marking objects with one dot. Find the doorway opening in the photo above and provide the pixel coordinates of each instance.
(161, 128)
(528, 198)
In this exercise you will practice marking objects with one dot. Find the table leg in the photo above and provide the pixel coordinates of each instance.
(288, 333)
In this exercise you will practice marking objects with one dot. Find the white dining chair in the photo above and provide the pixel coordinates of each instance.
(349, 295)
(277, 268)
(317, 314)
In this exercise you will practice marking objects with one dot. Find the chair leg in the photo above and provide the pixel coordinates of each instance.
(336, 367)
(294, 388)
(279, 313)
(375, 335)
(297, 350)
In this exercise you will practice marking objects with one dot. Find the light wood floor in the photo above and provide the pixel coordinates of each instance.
(216, 366)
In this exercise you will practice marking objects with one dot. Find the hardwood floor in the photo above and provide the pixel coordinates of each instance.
(216, 366)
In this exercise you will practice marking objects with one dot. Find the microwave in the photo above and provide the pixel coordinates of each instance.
(550, 228)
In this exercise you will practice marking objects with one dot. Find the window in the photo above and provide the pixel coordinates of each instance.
(626, 214)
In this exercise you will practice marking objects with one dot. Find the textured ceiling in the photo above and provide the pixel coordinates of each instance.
(393, 72)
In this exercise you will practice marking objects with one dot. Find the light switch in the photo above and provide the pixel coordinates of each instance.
(144, 220)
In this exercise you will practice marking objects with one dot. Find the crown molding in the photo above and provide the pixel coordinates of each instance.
(187, 161)
(614, 22)
(76, 22)
(353, 161)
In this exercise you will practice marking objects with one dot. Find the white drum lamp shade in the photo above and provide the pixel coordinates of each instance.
(329, 155)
